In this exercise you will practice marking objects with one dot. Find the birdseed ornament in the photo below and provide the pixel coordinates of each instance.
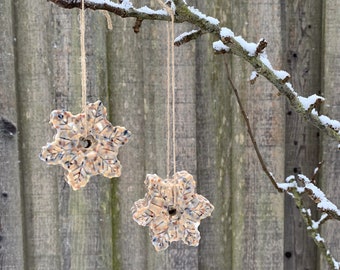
(85, 144)
(172, 209)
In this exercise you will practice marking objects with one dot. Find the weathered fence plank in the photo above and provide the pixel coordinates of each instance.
(39, 188)
(126, 97)
(301, 25)
(58, 228)
(257, 208)
(178, 255)
(330, 90)
(85, 216)
(213, 139)
(11, 220)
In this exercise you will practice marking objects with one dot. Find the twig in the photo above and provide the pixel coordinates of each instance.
(312, 229)
(187, 37)
(184, 13)
(251, 135)
(312, 226)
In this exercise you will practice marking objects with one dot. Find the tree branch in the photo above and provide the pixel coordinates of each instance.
(251, 135)
(256, 56)
(236, 44)
(329, 210)
(124, 9)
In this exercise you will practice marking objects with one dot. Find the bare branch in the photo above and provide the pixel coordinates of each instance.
(137, 25)
(257, 59)
(124, 9)
(315, 194)
(292, 188)
(313, 228)
(261, 46)
(256, 56)
(187, 36)
(251, 135)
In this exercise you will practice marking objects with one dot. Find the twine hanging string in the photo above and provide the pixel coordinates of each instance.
(171, 43)
(168, 103)
(170, 84)
(83, 60)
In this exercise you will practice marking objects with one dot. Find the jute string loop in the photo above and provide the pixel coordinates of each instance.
(170, 84)
(83, 60)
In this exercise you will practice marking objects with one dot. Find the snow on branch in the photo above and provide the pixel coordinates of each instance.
(251, 52)
(300, 184)
(124, 9)
(255, 54)
(187, 36)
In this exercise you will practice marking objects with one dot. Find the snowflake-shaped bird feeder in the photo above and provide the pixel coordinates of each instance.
(172, 209)
(85, 146)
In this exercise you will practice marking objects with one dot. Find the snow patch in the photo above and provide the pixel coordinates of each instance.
(253, 76)
(181, 36)
(226, 32)
(150, 11)
(281, 74)
(290, 87)
(219, 46)
(124, 5)
(325, 120)
(309, 101)
(319, 238)
(249, 47)
(203, 16)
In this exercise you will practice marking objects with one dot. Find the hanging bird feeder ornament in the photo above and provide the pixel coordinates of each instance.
(85, 144)
(172, 209)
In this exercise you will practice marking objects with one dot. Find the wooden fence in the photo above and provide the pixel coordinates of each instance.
(46, 225)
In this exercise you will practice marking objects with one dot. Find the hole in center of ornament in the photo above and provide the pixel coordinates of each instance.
(172, 210)
(86, 142)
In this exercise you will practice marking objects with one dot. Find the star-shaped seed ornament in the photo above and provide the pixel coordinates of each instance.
(85, 145)
(172, 209)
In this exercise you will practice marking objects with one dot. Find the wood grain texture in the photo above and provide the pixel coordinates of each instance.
(213, 124)
(178, 255)
(257, 209)
(89, 224)
(11, 219)
(330, 90)
(46, 225)
(301, 27)
(126, 97)
(40, 195)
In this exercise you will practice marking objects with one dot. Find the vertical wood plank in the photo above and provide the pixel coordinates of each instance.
(330, 90)
(213, 129)
(138, 79)
(38, 182)
(93, 228)
(11, 220)
(302, 37)
(257, 207)
(85, 214)
(182, 256)
(65, 90)
(155, 48)
(178, 255)
(126, 97)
